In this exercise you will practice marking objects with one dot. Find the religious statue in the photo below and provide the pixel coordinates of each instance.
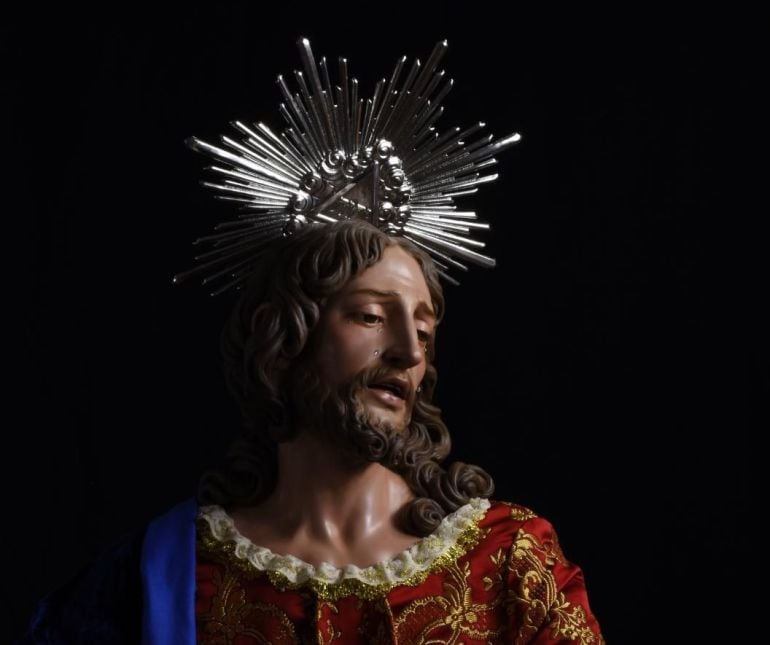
(331, 518)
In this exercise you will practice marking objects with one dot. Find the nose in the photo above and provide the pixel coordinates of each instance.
(403, 347)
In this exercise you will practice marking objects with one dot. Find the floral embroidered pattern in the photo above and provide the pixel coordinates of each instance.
(533, 599)
(452, 616)
(230, 615)
(520, 513)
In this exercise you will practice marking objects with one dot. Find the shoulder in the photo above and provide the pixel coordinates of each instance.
(509, 511)
(525, 529)
(506, 518)
(546, 593)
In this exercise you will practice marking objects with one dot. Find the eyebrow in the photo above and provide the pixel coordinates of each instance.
(422, 305)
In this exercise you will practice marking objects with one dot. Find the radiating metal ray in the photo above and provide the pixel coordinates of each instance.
(436, 102)
(345, 102)
(448, 278)
(437, 224)
(436, 252)
(220, 237)
(274, 161)
(367, 118)
(464, 225)
(452, 195)
(377, 99)
(239, 189)
(439, 179)
(428, 126)
(403, 174)
(262, 165)
(329, 102)
(228, 269)
(430, 66)
(355, 115)
(264, 185)
(452, 247)
(455, 135)
(267, 148)
(302, 124)
(206, 265)
(387, 106)
(444, 234)
(404, 93)
(251, 217)
(293, 131)
(309, 108)
(246, 240)
(286, 147)
(306, 53)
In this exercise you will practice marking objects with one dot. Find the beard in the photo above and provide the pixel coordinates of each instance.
(340, 417)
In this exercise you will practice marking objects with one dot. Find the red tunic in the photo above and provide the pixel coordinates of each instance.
(501, 578)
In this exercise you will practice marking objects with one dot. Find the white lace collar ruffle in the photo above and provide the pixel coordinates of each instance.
(456, 532)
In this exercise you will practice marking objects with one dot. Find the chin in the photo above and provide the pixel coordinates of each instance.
(377, 418)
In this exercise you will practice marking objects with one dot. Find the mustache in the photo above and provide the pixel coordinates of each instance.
(369, 376)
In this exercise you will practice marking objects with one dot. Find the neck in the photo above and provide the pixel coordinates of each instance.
(320, 498)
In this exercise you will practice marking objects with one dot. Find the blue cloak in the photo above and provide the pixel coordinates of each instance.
(142, 590)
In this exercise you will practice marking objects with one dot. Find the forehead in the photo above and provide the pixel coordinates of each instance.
(396, 271)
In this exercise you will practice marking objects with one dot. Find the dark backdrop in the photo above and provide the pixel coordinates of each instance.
(597, 373)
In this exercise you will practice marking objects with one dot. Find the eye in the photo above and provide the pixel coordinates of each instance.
(369, 319)
(424, 337)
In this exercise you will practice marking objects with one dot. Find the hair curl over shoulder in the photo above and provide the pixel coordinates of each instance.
(271, 326)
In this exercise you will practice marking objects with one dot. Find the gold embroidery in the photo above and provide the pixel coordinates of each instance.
(536, 600)
(377, 584)
(225, 620)
(554, 549)
(520, 513)
(457, 611)
(331, 634)
(497, 583)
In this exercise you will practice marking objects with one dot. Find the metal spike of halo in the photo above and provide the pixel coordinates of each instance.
(341, 156)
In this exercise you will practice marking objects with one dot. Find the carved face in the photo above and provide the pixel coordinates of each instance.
(383, 318)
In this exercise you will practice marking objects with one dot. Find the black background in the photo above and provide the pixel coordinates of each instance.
(604, 373)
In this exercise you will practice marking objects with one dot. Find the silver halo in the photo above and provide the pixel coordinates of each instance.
(342, 157)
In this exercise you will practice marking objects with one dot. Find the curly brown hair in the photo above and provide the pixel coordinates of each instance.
(272, 326)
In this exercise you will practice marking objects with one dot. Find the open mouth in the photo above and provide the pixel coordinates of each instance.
(396, 389)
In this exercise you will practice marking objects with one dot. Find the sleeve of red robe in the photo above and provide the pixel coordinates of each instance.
(546, 600)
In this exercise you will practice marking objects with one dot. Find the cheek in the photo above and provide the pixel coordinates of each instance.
(420, 374)
(346, 350)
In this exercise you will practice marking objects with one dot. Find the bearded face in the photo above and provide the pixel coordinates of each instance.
(343, 417)
(345, 366)
(383, 318)
(357, 384)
